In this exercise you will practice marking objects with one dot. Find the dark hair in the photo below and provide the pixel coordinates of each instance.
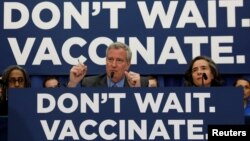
(118, 45)
(240, 78)
(1, 82)
(9, 69)
(2, 96)
(3, 101)
(188, 79)
(51, 78)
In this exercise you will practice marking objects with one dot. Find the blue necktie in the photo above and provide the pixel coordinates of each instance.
(114, 85)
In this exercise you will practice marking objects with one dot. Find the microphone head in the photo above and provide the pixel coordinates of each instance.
(204, 75)
(112, 74)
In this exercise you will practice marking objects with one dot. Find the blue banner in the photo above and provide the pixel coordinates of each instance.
(121, 114)
(163, 35)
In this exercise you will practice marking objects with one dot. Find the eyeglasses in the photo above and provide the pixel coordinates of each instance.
(14, 80)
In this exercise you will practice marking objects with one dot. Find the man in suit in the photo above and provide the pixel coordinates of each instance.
(118, 61)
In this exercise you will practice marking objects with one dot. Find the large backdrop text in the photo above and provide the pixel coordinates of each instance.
(163, 35)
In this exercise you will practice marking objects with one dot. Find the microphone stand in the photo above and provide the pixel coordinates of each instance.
(202, 81)
(112, 75)
(204, 77)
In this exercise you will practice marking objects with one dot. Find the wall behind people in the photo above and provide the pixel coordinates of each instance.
(159, 41)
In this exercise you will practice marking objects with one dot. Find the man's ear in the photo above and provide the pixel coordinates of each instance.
(128, 66)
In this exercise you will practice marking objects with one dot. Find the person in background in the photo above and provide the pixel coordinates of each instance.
(152, 81)
(13, 76)
(1, 93)
(3, 103)
(202, 72)
(245, 84)
(118, 61)
(3, 114)
(51, 82)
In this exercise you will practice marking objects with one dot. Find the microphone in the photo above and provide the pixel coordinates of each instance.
(112, 74)
(204, 77)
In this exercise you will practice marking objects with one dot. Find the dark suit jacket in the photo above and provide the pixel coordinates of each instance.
(101, 81)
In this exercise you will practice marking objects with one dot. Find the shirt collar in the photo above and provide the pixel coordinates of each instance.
(118, 84)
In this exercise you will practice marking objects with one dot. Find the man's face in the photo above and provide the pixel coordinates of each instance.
(51, 83)
(116, 62)
(16, 79)
(246, 88)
